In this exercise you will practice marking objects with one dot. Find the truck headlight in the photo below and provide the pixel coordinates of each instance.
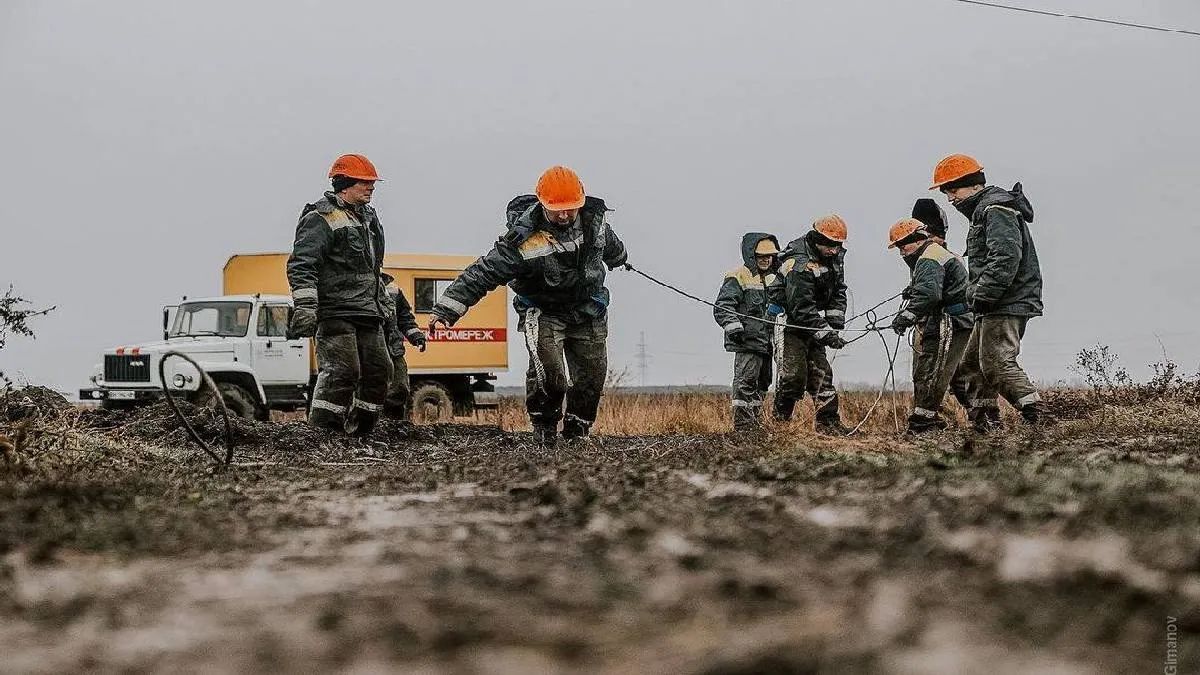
(179, 380)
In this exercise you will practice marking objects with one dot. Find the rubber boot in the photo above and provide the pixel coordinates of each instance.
(575, 429)
(746, 419)
(783, 408)
(545, 436)
(919, 424)
(1035, 414)
(361, 422)
(397, 411)
(326, 419)
(984, 420)
(831, 427)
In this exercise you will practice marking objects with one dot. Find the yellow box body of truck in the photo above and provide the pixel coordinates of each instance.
(475, 349)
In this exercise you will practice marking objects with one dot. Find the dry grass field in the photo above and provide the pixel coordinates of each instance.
(636, 414)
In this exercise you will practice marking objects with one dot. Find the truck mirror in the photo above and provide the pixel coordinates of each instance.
(167, 319)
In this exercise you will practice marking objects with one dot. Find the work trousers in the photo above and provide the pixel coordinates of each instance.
(938, 350)
(804, 367)
(751, 379)
(959, 385)
(398, 404)
(568, 359)
(352, 380)
(990, 365)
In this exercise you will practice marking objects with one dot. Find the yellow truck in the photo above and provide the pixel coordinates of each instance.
(239, 338)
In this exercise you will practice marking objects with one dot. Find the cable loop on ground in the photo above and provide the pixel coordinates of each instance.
(206, 381)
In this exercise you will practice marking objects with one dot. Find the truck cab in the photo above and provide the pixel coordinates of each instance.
(239, 340)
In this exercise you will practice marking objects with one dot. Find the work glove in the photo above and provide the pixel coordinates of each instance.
(907, 293)
(982, 306)
(303, 323)
(903, 321)
(836, 323)
(627, 267)
(416, 337)
(832, 340)
(435, 319)
(736, 335)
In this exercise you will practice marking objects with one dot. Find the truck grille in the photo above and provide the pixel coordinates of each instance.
(126, 368)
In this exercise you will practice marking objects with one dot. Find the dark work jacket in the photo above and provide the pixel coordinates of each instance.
(401, 322)
(938, 287)
(809, 288)
(338, 255)
(559, 270)
(744, 291)
(1004, 269)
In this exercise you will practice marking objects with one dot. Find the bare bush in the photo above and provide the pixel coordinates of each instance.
(15, 313)
(1112, 385)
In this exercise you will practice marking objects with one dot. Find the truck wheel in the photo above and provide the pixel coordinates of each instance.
(239, 401)
(431, 402)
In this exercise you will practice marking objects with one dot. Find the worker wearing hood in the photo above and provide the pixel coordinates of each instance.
(741, 310)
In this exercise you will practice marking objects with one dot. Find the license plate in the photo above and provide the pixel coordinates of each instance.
(117, 395)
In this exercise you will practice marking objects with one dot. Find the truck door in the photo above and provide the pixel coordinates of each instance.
(278, 360)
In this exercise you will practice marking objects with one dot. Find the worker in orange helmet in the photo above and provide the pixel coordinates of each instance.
(810, 289)
(937, 308)
(339, 296)
(1005, 288)
(555, 254)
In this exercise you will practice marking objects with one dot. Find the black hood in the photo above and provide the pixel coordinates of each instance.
(992, 195)
(749, 242)
(928, 212)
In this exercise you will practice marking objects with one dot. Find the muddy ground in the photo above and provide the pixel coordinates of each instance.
(462, 549)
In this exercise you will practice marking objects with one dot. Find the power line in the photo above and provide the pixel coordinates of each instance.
(1112, 22)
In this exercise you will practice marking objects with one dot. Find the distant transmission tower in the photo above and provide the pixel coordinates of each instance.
(643, 359)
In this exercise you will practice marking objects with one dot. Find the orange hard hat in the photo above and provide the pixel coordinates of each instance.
(353, 166)
(952, 168)
(831, 227)
(559, 189)
(903, 230)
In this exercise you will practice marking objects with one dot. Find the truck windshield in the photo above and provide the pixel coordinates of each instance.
(228, 319)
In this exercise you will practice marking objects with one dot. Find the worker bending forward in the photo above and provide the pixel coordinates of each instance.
(934, 218)
(741, 310)
(1005, 288)
(555, 255)
(401, 325)
(937, 307)
(810, 288)
(334, 273)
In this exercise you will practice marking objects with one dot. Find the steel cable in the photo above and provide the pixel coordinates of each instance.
(690, 296)
(208, 382)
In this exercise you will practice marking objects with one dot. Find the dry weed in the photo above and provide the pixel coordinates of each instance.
(641, 414)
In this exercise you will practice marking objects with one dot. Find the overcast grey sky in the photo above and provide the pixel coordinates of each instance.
(144, 142)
